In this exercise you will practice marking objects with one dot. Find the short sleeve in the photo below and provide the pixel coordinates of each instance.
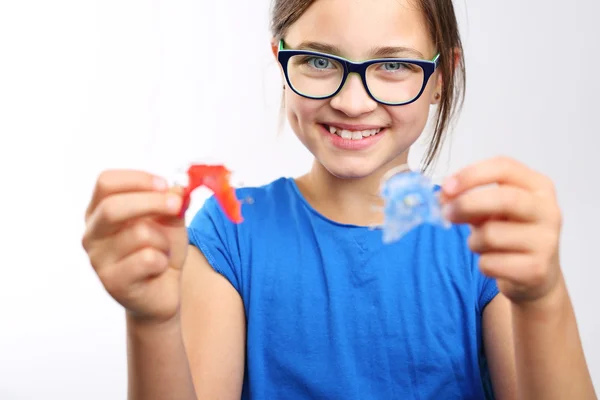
(216, 237)
(487, 288)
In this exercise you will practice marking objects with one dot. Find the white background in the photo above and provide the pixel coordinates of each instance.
(88, 85)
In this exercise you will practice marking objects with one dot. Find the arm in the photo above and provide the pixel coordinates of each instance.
(516, 224)
(534, 349)
(157, 363)
(549, 356)
(199, 355)
(499, 347)
(214, 330)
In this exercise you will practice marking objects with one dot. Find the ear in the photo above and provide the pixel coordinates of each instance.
(436, 95)
(275, 51)
(274, 47)
(437, 91)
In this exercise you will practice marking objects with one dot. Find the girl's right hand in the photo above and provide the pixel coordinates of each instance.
(136, 242)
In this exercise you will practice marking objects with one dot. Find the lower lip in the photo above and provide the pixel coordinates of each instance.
(351, 144)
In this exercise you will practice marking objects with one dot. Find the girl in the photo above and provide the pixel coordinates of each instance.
(303, 300)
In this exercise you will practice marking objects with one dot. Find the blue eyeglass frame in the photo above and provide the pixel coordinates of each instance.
(428, 66)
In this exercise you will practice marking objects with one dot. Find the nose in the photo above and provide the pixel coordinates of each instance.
(353, 100)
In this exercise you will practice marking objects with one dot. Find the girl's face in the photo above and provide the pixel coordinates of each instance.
(360, 30)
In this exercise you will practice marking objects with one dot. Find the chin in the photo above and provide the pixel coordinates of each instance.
(350, 169)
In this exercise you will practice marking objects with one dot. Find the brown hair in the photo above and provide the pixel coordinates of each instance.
(443, 28)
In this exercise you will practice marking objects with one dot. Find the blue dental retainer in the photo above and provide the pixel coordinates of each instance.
(410, 200)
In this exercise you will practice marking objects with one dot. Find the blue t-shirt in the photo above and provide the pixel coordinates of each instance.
(334, 313)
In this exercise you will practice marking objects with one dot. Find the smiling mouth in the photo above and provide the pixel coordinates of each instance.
(353, 135)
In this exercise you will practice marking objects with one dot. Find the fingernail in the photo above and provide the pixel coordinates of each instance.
(160, 184)
(173, 202)
(450, 185)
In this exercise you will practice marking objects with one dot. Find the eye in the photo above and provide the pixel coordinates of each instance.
(319, 62)
(394, 66)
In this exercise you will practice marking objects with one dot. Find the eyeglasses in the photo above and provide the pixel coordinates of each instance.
(389, 81)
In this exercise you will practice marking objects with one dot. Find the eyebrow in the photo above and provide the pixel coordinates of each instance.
(376, 52)
(382, 52)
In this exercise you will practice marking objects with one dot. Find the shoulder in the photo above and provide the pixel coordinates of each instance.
(225, 244)
(449, 247)
(256, 202)
(486, 288)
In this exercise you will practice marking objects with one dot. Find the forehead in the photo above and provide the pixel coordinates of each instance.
(358, 26)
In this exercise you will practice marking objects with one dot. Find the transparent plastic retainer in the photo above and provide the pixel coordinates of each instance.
(410, 200)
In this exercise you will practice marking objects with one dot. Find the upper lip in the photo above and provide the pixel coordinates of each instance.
(352, 127)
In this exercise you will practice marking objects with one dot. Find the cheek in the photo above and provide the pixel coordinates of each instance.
(301, 111)
(411, 119)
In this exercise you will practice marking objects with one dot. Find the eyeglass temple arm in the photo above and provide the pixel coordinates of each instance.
(436, 60)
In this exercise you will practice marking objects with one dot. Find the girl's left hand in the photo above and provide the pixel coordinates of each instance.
(516, 224)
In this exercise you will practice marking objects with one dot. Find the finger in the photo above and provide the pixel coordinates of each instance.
(503, 236)
(144, 264)
(135, 237)
(116, 210)
(510, 266)
(521, 269)
(118, 181)
(501, 202)
(139, 236)
(499, 170)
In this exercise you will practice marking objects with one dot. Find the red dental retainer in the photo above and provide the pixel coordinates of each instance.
(215, 178)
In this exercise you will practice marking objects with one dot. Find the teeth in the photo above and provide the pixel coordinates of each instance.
(353, 135)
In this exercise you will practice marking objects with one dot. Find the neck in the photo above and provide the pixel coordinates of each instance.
(347, 201)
